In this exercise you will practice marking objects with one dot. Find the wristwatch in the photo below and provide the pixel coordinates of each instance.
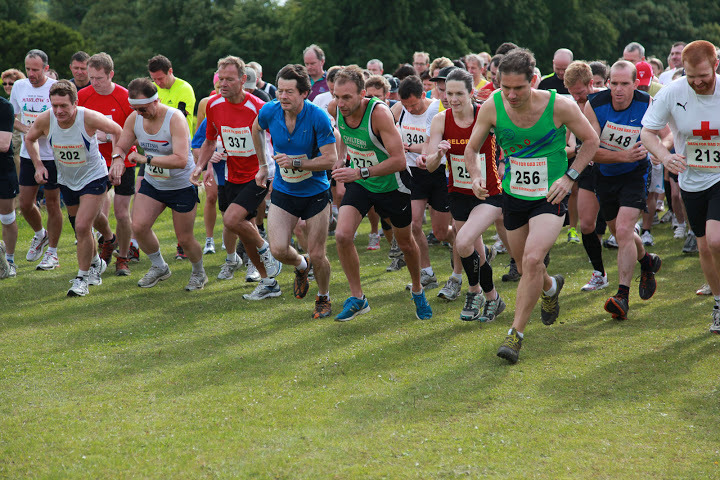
(572, 174)
(297, 163)
(117, 155)
(148, 159)
(364, 173)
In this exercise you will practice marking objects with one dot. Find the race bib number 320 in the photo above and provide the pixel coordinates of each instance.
(295, 175)
(529, 176)
(158, 173)
(703, 155)
(238, 141)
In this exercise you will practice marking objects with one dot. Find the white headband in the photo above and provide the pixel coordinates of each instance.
(142, 101)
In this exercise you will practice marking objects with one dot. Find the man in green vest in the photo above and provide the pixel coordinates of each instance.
(376, 177)
(530, 127)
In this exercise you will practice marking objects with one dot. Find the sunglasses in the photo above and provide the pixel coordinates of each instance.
(8, 84)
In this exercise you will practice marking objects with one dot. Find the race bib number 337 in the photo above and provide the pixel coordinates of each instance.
(238, 141)
(529, 176)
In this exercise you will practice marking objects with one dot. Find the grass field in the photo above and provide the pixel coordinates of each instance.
(162, 383)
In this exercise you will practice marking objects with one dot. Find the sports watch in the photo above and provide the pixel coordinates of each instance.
(297, 163)
(364, 173)
(572, 174)
(148, 158)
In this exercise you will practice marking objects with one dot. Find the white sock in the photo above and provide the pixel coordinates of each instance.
(303, 264)
(157, 259)
(326, 296)
(717, 301)
(210, 239)
(428, 270)
(134, 243)
(264, 247)
(519, 334)
(83, 274)
(232, 257)
(552, 289)
(52, 250)
(40, 234)
(457, 276)
(96, 260)
(197, 267)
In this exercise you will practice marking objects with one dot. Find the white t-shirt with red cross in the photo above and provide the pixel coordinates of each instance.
(695, 123)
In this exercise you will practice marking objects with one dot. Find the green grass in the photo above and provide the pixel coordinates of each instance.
(162, 383)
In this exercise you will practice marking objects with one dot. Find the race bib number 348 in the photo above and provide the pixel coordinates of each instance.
(703, 155)
(529, 176)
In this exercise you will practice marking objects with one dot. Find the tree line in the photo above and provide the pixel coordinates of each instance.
(194, 34)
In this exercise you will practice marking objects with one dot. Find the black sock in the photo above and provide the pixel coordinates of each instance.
(645, 230)
(72, 222)
(486, 281)
(593, 248)
(623, 291)
(471, 265)
(646, 262)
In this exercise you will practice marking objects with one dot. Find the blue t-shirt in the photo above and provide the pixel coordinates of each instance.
(197, 142)
(312, 131)
(619, 130)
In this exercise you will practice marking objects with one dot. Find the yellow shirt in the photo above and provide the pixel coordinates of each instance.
(180, 91)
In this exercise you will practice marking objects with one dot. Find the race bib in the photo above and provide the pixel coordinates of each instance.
(158, 173)
(238, 141)
(461, 176)
(70, 156)
(28, 118)
(618, 137)
(412, 135)
(529, 176)
(703, 155)
(295, 175)
(362, 159)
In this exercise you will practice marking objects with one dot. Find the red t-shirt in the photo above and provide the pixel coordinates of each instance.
(459, 177)
(115, 106)
(232, 122)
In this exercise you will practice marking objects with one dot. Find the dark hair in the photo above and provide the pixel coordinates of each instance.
(295, 72)
(411, 85)
(352, 74)
(141, 86)
(35, 53)
(496, 59)
(425, 75)
(332, 73)
(520, 61)
(64, 88)
(159, 62)
(600, 69)
(460, 75)
(79, 57)
(404, 71)
(460, 64)
(378, 81)
(504, 48)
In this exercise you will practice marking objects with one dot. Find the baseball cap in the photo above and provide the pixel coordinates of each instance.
(443, 73)
(394, 84)
(251, 82)
(644, 73)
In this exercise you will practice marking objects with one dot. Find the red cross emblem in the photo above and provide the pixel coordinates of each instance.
(705, 132)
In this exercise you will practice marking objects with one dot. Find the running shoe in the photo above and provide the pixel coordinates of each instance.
(4, 264)
(323, 307)
(49, 262)
(451, 290)
(272, 266)
(197, 281)
(301, 285)
(647, 238)
(422, 307)
(513, 274)
(209, 248)
(680, 231)
(610, 242)
(510, 348)
(373, 241)
(715, 327)
(264, 290)
(95, 273)
(122, 267)
(227, 270)
(106, 248)
(251, 274)
(490, 254)
(648, 285)
(427, 281)
(598, 281)
(667, 217)
(180, 253)
(656, 219)
(154, 275)
(572, 236)
(473, 304)
(332, 225)
(492, 309)
(690, 243)
(704, 290)
(499, 247)
(550, 308)
(134, 254)
(396, 264)
(432, 239)
(13, 270)
(395, 251)
(36, 247)
(618, 307)
(352, 308)
(79, 288)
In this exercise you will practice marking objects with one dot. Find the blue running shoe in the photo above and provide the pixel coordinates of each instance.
(422, 307)
(353, 307)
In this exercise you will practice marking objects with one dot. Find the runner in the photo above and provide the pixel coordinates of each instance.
(314, 59)
(530, 127)
(79, 69)
(81, 173)
(9, 189)
(162, 132)
(691, 108)
(230, 115)
(621, 170)
(110, 99)
(374, 178)
(449, 134)
(301, 189)
(30, 97)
